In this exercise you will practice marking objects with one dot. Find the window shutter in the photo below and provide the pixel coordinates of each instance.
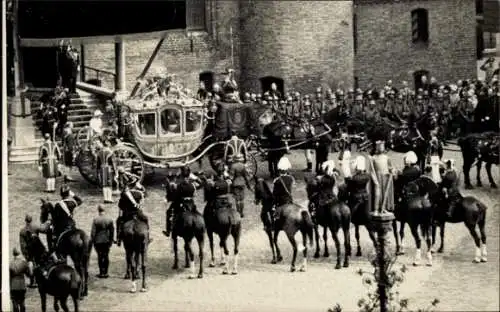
(415, 26)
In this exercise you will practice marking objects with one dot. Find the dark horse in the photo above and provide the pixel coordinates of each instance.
(330, 214)
(135, 238)
(225, 221)
(480, 147)
(56, 279)
(188, 224)
(282, 135)
(289, 218)
(74, 243)
(472, 213)
(263, 195)
(418, 203)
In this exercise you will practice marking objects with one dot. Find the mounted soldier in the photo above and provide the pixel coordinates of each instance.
(217, 191)
(356, 189)
(380, 167)
(181, 194)
(106, 167)
(69, 146)
(240, 179)
(449, 186)
(132, 195)
(410, 172)
(48, 163)
(283, 184)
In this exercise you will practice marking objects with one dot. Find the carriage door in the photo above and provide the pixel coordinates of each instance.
(208, 79)
(266, 82)
(417, 76)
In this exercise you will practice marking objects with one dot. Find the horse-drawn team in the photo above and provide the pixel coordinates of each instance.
(337, 198)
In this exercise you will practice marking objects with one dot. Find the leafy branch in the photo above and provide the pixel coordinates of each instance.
(393, 280)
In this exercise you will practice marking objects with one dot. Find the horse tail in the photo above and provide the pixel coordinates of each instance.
(308, 225)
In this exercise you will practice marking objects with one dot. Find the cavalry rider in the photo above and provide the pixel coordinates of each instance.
(326, 184)
(357, 185)
(69, 144)
(410, 172)
(129, 182)
(105, 166)
(283, 184)
(48, 158)
(220, 189)
(383, 199)
(449, 186)
(183, 194)
(239, 174)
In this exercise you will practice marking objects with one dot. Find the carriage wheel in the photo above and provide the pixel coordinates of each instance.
(87, 165)
(130, 159)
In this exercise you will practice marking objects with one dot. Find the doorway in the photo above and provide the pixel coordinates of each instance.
(207, 78)
(417, 76)
(266, 82)
(40, 67)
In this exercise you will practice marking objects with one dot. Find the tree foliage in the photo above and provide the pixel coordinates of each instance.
(395, 277)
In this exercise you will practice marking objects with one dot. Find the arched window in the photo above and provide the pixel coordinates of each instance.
(208, 79)
(417, 76)
(266, 82)
(420, 25)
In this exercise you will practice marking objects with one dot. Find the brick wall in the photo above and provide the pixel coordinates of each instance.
(306, 43)
(211, 51)
(385, 49)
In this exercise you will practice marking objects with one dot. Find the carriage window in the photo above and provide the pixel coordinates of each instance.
(147, 123)
(170, 121)
(193, 120)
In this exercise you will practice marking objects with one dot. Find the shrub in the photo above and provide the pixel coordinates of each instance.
(395, 277)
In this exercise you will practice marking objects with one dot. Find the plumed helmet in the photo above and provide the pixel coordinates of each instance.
(410, 158)
(97, 113)
(360, 163)
(284, 164)
(65, 190)
(328, 167)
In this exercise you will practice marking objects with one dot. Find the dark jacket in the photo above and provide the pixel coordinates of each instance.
(102, 230)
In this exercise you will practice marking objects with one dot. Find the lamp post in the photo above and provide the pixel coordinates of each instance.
(382, 222)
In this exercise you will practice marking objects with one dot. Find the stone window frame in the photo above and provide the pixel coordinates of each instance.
(420, 25)
(280, 83)
(206, 76)
(196, 15)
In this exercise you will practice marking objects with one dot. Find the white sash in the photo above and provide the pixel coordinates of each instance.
(64, 207)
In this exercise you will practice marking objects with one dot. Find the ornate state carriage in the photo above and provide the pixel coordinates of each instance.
(165, 132)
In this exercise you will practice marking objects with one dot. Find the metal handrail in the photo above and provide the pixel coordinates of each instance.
(99, 71)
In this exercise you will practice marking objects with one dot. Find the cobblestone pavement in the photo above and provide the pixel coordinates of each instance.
(260, 286)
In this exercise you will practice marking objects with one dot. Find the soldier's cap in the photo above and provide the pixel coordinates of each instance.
(15, 252)
(372, 102)
(100, 208)
(306, 96)
(379, 142)
(289, 98)
(419, 97)
(258, 95)
(69, 124)
(28, 218)
(46, 136)
(359, 91)
(121, 169)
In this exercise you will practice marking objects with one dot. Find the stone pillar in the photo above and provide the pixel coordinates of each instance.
(120, 64)
(497, 45)
(23, 131)
(82, 63)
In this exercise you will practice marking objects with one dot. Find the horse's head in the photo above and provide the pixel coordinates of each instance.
(46, 209)
(262, 191)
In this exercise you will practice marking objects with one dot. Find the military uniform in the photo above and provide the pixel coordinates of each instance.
(49, 156)
(449, 185)
(183, 194)
(282, 189)
(105, 165)
(67, 205)
(326, 194)
(239, 174)
(24, 237)
(101, 235)
(357, 189)
(18, 269)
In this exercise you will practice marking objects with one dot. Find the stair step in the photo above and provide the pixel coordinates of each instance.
(82, 112)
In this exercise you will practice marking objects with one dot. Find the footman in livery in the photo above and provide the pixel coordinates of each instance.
(106, 167)
(48, 159)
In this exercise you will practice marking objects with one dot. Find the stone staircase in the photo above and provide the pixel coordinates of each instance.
(80, 112)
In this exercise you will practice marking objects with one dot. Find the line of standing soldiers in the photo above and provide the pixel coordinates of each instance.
(473, 100)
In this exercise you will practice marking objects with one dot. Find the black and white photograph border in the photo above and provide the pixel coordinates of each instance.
(350, 128)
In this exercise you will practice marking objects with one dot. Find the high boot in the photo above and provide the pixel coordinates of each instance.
(47, 185)
(168, 229)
